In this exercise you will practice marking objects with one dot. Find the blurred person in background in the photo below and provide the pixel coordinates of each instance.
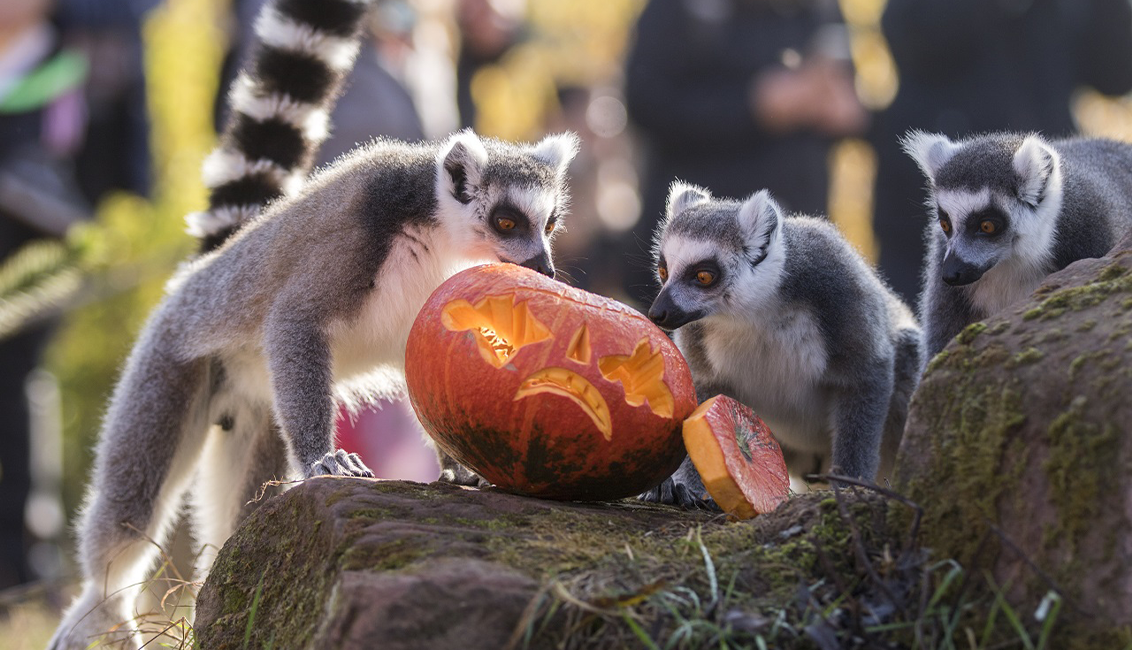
(736, 95)
(971, 66)
(115, 152)
(488, 30)
(41, 122)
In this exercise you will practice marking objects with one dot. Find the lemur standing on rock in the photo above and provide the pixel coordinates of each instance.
(233, 380)
(1009, 209)
(783, 315)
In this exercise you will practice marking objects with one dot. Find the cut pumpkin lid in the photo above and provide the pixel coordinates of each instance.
(738, 459)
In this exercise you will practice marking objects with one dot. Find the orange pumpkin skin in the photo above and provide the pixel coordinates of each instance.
(547, 390)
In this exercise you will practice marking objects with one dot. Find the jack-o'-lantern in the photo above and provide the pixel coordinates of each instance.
(547, 390)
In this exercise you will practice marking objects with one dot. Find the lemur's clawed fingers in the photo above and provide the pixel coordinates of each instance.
(687, 499)
(674, 493)
(339, 463)
(659, 494)
(460, 475)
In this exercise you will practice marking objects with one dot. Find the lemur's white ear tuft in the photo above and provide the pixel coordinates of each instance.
(557, 151)
(682, 196)
(460, 165)
(759, 217)
(1033, 162)
(931, 151)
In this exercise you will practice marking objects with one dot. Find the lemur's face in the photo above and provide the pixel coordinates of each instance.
(715, 257)
(694, 277)
(996, 198)
(977, 227)
(502, 201)
(519, 226)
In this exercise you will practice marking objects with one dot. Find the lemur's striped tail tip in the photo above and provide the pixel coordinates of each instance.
(209, 223)
(280, 104)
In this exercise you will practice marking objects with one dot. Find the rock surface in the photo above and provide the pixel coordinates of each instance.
(355, 563)
(1024, 424)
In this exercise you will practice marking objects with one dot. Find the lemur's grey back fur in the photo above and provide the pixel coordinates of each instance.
(294, 308)
(794, 323)
(1055, 202)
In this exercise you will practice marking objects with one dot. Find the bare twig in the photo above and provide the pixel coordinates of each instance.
(859, 549)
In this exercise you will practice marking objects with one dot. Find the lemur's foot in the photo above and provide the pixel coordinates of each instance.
(339, 463)
(457, 474)
(675, 493)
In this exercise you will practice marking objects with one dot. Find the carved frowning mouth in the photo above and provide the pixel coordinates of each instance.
(572, 386)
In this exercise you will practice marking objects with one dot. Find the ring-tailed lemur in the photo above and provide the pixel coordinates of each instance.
(1009, 209)
(783, 315)
(310, 301)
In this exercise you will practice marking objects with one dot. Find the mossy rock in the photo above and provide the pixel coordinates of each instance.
(354, 563)
(1021, 430)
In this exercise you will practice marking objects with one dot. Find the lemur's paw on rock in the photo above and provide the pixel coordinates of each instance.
(339, 463)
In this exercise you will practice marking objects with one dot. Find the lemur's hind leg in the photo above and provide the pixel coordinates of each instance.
(907, 366)
(151, 439)
(244, 451)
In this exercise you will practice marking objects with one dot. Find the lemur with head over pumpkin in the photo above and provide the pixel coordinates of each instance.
(302, 297)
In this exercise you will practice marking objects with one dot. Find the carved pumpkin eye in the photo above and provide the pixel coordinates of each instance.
(946, 225)
(504, 223)
(663, 273)
(988, 227)
(705, 278)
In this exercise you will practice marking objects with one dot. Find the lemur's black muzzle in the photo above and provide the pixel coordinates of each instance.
(667, 315)
(957, 272)
(540, 263)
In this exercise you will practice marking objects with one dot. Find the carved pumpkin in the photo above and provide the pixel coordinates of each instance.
(739, 461)
(547, 390)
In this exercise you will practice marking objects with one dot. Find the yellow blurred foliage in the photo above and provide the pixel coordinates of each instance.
(578, 43)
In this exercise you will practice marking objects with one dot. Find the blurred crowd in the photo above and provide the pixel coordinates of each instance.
(734, 95)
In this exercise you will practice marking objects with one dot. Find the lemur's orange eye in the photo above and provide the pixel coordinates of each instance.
(988, 227)
(550, 226)
(503, 223)
(946, 225)
(705, 278)
(663, 273)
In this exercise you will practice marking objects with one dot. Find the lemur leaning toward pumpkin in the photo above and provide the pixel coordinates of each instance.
(782, 314)
(303, 297)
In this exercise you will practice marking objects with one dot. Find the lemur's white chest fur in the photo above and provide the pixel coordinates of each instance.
(776, 365)
(1008, 282)
(376, 337)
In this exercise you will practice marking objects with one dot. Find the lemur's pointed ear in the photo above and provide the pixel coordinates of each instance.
(1033, 162)
(682, 196)
(931, 151)
(460, 165)
(759, 217)
(557, 151)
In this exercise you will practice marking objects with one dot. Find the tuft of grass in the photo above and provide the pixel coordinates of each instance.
(864, 588)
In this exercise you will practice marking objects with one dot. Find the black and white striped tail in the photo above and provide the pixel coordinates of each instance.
(280, 106)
